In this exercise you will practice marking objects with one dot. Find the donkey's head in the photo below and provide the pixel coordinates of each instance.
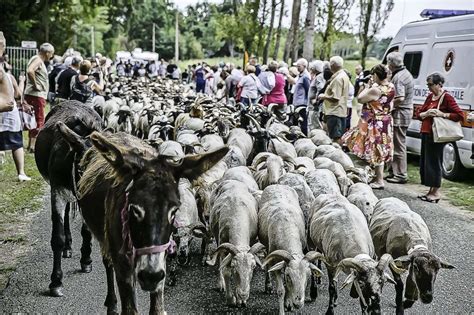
(149, 183)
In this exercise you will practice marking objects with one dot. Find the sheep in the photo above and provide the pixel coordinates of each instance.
(282, 148)
(319, 137)
(281, 229)
(337, 169)
(188, 140)
(322, 181)
(339, 230)
(121, 120)
(233, 221)
(399, 231)
(362, 196)
(305, 147)
(334, 154)
(211, 142)
(303, 165)
(268, 169)
(242, 174)
(172, 150)
(240, 138)
(234, 157)
(305, 195)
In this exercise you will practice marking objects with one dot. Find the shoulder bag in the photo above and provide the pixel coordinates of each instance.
(446, 130)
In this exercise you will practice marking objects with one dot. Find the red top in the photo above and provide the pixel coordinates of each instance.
(277, 94)
(449, 105)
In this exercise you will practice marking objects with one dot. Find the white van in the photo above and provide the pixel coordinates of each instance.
(444, 45)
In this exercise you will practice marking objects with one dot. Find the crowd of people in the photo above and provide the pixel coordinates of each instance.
(322, 92)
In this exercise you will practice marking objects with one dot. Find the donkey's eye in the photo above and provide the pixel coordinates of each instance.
(171, 214)
(138, 212)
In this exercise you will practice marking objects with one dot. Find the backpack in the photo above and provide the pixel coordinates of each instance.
(81, 91)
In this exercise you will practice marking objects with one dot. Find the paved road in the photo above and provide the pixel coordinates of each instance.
(452, 232)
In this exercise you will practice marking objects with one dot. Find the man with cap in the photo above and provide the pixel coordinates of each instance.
(64, 79)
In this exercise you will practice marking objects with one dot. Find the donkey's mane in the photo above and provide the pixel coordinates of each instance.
(99, 173)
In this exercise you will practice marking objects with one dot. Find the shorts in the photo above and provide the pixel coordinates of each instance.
(336, 126)
(10, 140)
(38, 104)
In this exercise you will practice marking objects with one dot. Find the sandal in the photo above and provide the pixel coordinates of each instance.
(428, 199)
(377, 186)
(421, 196)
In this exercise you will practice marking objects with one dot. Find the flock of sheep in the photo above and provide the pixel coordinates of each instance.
(278, 200)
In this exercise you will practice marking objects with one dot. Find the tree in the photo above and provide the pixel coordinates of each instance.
(269, 35)
(278, 32)
(308, 45)
(373, 16)
(261, 27)
(292, 39)
(334, 14)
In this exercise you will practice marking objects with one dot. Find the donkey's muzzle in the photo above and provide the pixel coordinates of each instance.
(149, 279)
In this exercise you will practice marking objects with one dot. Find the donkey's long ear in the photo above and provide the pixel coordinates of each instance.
(122, 159)
(195, 165)
(75, 141)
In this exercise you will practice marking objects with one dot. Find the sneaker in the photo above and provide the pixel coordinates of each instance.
(23, 178)
(397, 180)
(389, 176)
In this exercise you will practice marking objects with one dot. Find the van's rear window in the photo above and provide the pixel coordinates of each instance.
(412, 61)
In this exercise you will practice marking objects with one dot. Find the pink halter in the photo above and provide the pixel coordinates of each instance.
(128, 249)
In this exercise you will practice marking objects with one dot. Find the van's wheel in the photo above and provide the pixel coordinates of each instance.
(452, 166)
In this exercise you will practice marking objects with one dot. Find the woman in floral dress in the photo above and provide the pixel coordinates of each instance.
(371, 140)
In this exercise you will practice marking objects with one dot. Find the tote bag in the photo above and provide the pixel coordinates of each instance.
(446, 130)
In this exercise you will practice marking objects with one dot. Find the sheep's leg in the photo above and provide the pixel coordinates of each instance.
(173, 270)
(280, 292)
(229, 295)
(313, 291)
(399, 293)
(363, 307)
(157, 305)
(268, 282)
(318, 279)
(221, 281)
(332, 293)
(67, 251)
(111, 299)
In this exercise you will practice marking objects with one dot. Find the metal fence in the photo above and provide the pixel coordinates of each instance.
(18, 58)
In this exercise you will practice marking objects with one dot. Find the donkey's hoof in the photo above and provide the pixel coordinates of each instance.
(56, 292)
(112, 310)
(86, 268)
(67, 253)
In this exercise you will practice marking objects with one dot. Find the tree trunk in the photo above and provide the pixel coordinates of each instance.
(261, 28)
(295, 23)
(46, 21)
(308, 46)
(269, 35)
(295, 14)
(366, 14)
(278, 34)
(328, 33)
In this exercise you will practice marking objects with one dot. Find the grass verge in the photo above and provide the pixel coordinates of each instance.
(19, 202)
(460, 194)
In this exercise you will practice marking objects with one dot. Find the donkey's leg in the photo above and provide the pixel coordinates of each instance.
(67, 252)
(157, 304)
(58, 205)
(111, 299)
(127, 293)
(86, 249)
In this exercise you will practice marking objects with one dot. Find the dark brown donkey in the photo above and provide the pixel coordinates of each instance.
(55, 162)
(128, 196)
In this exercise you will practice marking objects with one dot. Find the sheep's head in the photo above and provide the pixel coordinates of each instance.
(423, 268)
(295, 272)
(241, 265)
(366, 277)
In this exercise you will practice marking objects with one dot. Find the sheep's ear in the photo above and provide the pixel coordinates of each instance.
(315, 270)
(278, 266)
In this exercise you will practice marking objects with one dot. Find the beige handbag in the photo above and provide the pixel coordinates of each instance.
(446, 130)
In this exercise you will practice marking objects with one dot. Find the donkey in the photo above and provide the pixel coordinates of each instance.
(55, 162)
(128, 196)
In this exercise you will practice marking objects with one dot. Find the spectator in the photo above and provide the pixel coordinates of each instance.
(301, 91)
(267, 79)
(315, 87)
(176, 73)
(277, 94)
(11, 137)
(258, 68)
(431, 158)
(335, 99)
(185, 76)
(37, 87)
(83, 85)
(209, 88)
(128, 69)
(248, 84)
(141, 71)
(65, 77)
(200, 80)
(401, 113)
(120, 69)
(6, 65)
(358, 79)
(371, 140)
(350, 98)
